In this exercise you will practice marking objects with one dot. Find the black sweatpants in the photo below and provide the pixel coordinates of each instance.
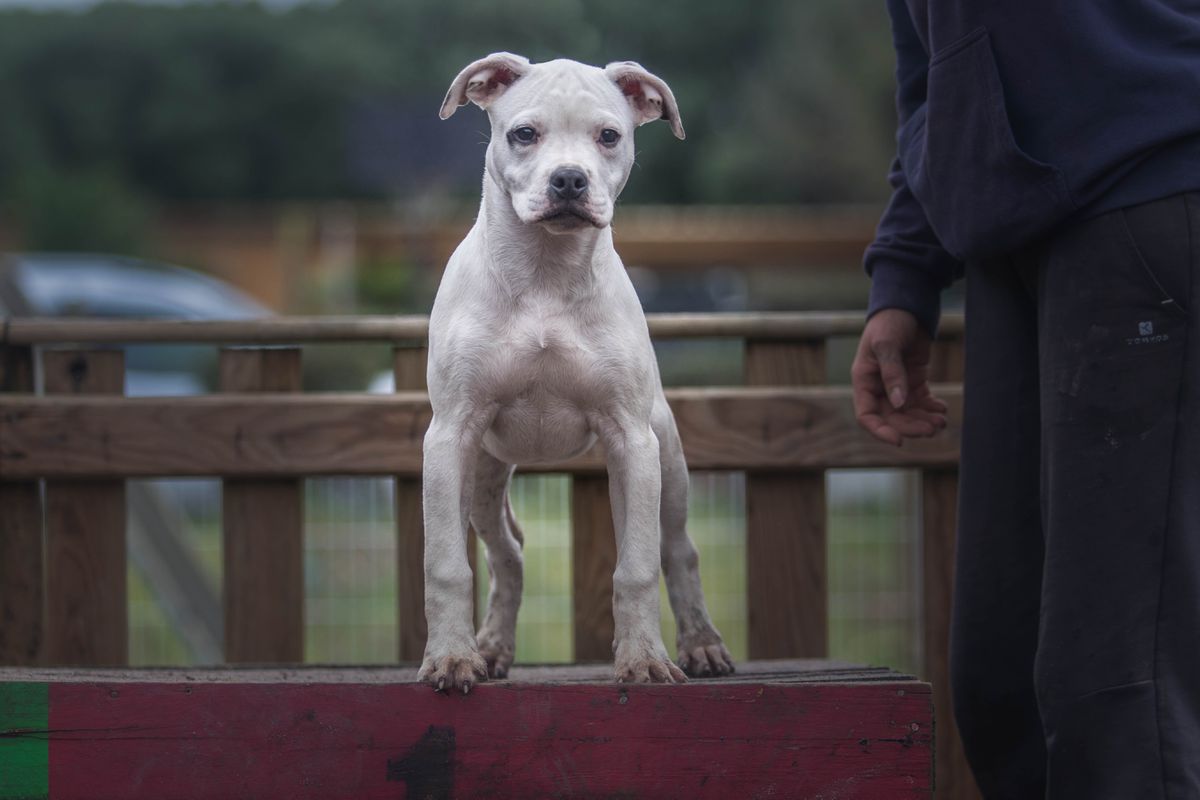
(1075, 653)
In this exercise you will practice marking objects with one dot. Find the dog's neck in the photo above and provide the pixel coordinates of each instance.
(528, 258)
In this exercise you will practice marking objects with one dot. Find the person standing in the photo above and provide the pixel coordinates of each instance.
(1050, 153)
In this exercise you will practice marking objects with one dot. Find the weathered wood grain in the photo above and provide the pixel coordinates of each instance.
(331, 434)
(786, 571)
(593, 561)
(797, 363)
(409, 366)
(87, 620)
(939, 502)
(21, 573)
(263, 532)
(297, 330)
(806, 670)
(708, 739)
(21, 567)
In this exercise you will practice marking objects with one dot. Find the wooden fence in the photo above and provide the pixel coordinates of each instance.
(64, 455)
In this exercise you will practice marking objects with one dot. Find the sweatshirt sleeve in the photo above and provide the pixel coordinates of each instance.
(908, 266)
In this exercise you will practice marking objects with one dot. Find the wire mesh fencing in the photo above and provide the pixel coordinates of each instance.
(350, 568)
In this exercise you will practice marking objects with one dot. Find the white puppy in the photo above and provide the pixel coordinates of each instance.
(537, 348)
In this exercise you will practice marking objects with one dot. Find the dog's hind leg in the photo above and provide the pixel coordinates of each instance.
(494, 523)
(699, 648)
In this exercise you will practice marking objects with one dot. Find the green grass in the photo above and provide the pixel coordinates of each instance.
(350, 579)
(151, 638)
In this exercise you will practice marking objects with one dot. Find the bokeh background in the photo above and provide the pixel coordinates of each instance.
(292, 151)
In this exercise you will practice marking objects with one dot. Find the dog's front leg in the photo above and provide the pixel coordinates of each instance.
(635, 484)
(452, 660)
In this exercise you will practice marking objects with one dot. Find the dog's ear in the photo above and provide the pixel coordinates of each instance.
(649, 94)
(483, 81)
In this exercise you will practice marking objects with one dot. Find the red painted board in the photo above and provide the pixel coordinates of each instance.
(362, 741)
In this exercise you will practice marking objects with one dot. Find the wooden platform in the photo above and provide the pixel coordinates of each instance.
(787, 729)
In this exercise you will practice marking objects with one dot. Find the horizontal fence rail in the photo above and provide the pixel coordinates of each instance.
(307, 330)
(64, 455)
(763, 429)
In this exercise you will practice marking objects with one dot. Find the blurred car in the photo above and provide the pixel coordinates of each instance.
(87, 285)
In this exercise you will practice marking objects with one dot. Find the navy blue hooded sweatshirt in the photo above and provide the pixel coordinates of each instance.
(1017, 116)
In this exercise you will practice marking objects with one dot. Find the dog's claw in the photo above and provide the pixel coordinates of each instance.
(706, 660)
(453, 672)
(649, 669)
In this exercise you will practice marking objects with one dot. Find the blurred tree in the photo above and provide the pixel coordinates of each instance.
(80, 211)
(783, 101)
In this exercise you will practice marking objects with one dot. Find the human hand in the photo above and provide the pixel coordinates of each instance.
(892, 400)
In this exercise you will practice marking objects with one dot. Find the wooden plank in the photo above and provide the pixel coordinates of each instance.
(593, 561)
(127, 740)
(786, 572)
(263, 530)
(770, 363)
(330, 434)
(409, 367)
(786, 575)
(87, 618)
(16, 367)
(25, 754)
(789, 671)
(22, 573)
(299, 330)
(939, 500)
(946, 359)
(262, 331)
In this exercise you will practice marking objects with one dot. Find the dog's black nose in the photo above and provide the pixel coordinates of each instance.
(568, 183)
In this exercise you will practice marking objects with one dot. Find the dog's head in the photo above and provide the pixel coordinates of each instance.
(562, 132)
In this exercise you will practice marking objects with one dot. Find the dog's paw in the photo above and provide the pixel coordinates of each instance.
(702, 654)
(706, 661)
(454, 672)
(646, 666)
(497, 651)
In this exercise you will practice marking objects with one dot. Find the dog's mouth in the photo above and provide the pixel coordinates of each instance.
(568, 216)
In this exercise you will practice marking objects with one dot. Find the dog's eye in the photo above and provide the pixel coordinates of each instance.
(609, 137)
(524, 134)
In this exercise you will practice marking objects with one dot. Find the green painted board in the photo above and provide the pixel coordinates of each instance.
(24, 741)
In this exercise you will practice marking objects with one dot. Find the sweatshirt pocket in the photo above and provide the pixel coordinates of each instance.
(982, 194)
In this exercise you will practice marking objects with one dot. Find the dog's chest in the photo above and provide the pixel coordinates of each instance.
(546, 351)
(548, 378)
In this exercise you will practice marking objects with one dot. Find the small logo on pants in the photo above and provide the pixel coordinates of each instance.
(1146, 335)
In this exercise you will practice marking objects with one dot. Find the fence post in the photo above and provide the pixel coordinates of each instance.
(593, 561)
(786, 571)
(939, 501)
(87, 614)
(22, 575)
(263, 531)
(410, 362)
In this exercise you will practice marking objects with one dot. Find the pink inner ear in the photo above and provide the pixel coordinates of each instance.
(502, 75)
(631, 87)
